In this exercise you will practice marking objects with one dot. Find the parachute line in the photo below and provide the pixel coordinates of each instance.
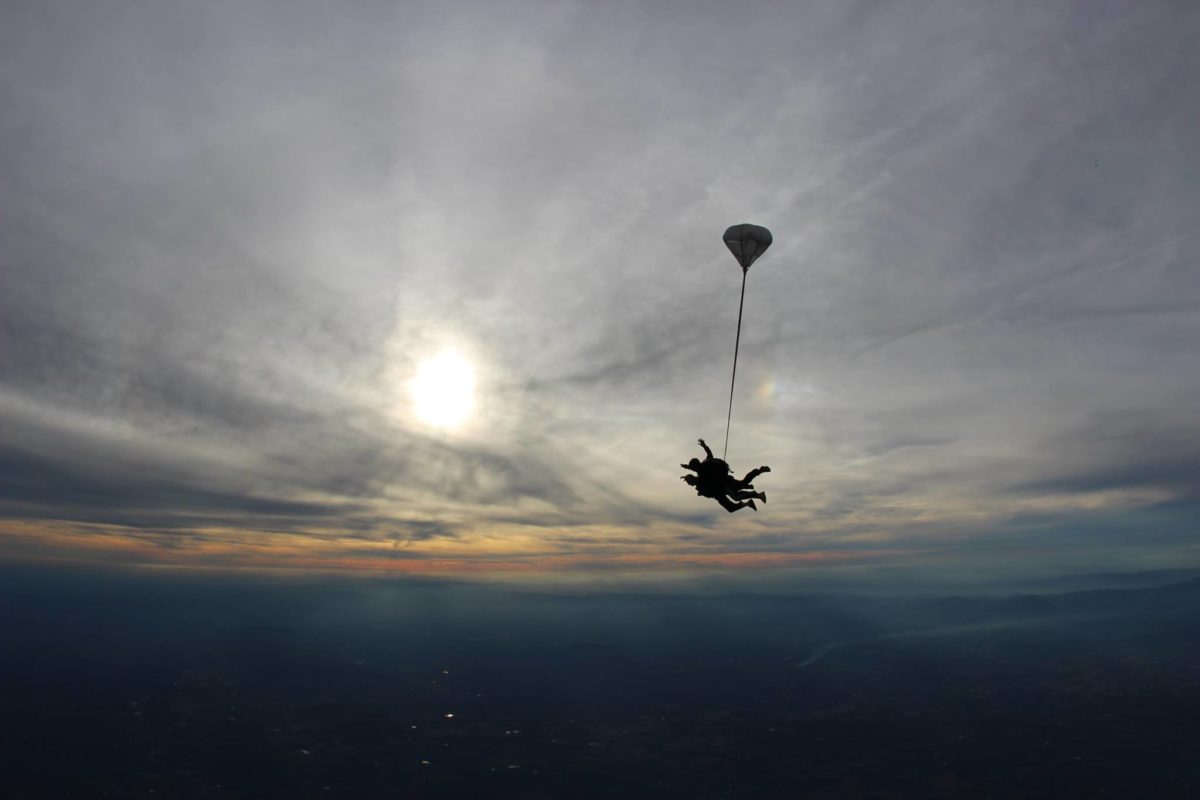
(733, 378)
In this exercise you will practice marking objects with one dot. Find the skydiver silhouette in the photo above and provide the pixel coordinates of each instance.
(714, 479)
(726, 500)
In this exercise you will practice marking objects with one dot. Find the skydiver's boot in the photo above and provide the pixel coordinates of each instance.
(751, 504)
(762, 496)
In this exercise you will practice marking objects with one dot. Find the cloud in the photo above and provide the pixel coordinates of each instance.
(230, 236)
(1124, 450)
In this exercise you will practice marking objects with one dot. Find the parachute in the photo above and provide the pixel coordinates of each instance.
(747, 242)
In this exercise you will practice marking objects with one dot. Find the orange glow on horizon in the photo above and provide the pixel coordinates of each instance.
(112, 545)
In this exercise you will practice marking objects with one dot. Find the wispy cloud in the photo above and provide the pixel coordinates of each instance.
(230, 235)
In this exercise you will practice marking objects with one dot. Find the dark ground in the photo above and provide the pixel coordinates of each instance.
(173, 687)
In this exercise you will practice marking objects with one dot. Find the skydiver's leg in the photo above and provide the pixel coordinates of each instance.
(746, 482)
(754, 473)
(735, 485)
(729, 505)
(743, 495)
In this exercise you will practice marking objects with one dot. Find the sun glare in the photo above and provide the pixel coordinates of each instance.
(443, 390)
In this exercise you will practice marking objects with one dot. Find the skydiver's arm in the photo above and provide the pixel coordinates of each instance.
(707, 452)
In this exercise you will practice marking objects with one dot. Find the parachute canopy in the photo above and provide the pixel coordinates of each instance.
(747, 242)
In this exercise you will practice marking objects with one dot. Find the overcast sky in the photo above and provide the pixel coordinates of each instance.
(230, 233)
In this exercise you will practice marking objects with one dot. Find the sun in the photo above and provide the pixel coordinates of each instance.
(443, 390)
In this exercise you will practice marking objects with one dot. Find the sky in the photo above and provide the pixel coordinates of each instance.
(232, 234)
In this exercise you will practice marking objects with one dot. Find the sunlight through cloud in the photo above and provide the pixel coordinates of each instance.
(443, 390)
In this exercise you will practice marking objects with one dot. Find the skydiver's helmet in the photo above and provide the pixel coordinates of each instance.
(690, 480)
(694, 464)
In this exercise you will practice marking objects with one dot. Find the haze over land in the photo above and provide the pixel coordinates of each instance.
(198, 687)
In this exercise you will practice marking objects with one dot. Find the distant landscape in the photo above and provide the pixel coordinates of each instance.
(134, 686)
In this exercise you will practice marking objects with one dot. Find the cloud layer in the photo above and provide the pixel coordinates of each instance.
(231, 232)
